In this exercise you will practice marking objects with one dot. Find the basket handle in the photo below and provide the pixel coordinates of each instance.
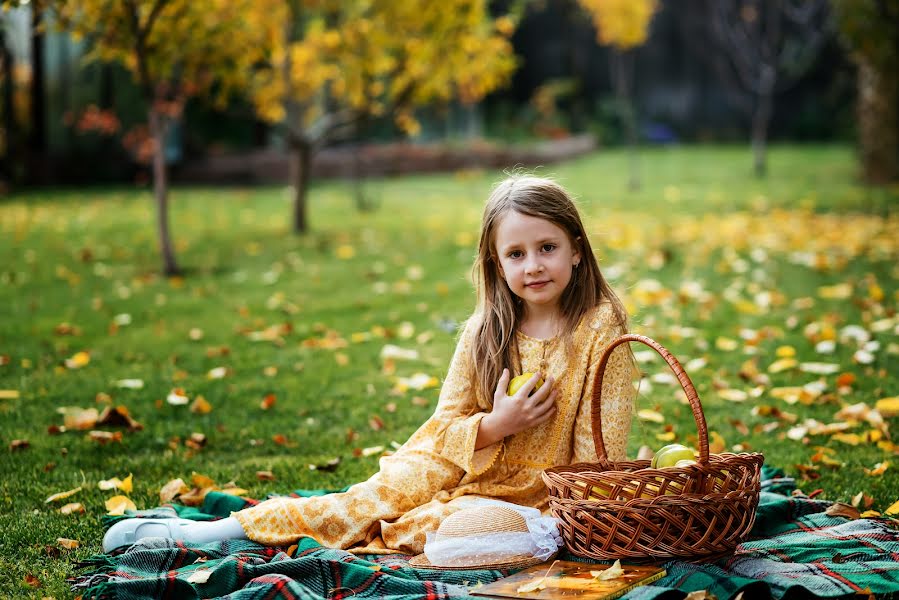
(682, 377)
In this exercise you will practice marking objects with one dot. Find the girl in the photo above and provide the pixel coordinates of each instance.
(543, 307)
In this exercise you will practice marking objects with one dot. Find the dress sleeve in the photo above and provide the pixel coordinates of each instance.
(618, 394)
(453, 428)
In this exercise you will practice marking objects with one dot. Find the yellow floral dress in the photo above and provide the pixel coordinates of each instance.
(438, 470)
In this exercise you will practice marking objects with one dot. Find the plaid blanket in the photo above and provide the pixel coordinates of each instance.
(795, 551)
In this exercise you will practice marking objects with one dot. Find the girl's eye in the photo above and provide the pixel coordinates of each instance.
(549, 247)
(515, 254)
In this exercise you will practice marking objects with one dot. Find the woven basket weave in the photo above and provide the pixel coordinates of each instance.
(628, 510)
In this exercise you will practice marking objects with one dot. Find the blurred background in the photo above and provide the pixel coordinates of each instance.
(247, 92)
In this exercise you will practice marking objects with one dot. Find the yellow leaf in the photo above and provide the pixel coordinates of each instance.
(345, 252)
(841, 291)
(868, 514)
(117, 505)
(9, 394)
(67, 543)
(200, 406)
(613, 572)
(878, 469)
(726, 344)
(202, 481)
(61, 495)
(888, 407)
(717, 445)
(853, 439)
(235, 491)
(782, 364)
(668, 436)
(126, 485)
(171, 490)
(78, 360)
(650, 415)
(785, 352)
(893, 508)
(71, 508)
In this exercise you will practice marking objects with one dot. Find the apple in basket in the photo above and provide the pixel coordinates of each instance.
(673, 455)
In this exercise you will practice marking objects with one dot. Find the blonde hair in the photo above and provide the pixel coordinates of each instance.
(500, 311)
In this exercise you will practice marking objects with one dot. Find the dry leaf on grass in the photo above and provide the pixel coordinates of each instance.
(61, 495)
(117, 505)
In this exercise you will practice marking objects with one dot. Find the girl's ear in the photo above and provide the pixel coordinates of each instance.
(576, 252)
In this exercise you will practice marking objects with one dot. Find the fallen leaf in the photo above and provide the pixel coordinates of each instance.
(74, 417)
(328, 465)
(265, 476)
(389, 351)
(840, 509)
(376, 423)
(31, 581)
(19, 445)
(888, 407)
(78, 360)
(199, 576)
(61, 495)
(879, 469)
(268, 402)
(118, 415)
(105, 437)
(117, 505)
(652, 416)
(218, 373)
(234, 491)
(172, 490)
(67, 543)
(177, 397)
(783, 364)
(200, 406)
(72, 508)
(893, 509)
(130, 384)
(612, 572)
(9, 394)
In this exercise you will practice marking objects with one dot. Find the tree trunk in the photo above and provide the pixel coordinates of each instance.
(37, 139)
(761, 117)
(300, 160)
(623, 76)
(10, 141)
(878, 122)
(160, 193)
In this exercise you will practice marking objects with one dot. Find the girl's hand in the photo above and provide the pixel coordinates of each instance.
(522, 410)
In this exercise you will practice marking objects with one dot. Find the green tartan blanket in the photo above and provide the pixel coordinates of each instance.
(795, 551)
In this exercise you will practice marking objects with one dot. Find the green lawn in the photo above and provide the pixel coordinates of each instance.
(728, 272)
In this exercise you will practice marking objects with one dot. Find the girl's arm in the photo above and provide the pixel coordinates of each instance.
(518, 412)
(452, 430)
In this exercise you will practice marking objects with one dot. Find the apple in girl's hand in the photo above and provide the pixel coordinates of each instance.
(519, 381)
(669, 455)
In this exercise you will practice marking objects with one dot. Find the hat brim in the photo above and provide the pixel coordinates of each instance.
(421, 562)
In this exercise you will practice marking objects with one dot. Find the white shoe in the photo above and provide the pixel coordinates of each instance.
(128, 531)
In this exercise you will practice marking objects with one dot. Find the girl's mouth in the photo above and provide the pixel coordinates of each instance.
(536, 285)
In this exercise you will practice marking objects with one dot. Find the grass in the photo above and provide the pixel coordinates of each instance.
(704, 255)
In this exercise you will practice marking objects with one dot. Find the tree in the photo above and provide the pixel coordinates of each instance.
(331, 64)
(768, 45)
(175, 49)
(870, 28)
(623, 25)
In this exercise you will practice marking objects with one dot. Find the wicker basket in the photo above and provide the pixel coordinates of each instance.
(628, 510)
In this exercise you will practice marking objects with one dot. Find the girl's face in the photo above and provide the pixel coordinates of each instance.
(535, 257)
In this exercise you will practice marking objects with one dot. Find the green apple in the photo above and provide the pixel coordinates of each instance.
(670, 454)
(686, 462)
(519, 381)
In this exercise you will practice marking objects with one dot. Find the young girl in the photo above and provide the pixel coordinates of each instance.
(543, 307)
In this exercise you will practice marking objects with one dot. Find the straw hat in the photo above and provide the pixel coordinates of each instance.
(481, 522)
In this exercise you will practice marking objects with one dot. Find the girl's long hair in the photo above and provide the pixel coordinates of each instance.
(500, 311)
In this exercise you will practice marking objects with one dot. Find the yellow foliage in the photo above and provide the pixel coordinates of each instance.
(623, 24)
